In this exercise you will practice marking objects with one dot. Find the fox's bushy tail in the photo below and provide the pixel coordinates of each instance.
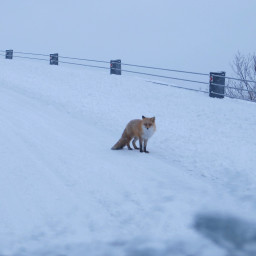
(120, 144)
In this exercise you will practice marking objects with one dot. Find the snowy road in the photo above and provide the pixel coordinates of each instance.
(61, 185)
(60, 180)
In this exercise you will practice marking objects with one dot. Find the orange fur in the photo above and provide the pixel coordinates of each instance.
(138, 129)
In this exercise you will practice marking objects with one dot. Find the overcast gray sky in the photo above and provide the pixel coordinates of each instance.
(198, 35)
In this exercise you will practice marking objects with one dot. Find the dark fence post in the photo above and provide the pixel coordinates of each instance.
(217, 85)
(115, 67)
(54, 59)
(9, 54)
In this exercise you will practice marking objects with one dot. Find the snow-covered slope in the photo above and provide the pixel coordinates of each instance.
(63, 191)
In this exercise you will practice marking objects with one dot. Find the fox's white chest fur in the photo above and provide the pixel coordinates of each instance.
(147, 133)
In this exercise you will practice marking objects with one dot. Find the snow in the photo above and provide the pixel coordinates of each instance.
(63, 191)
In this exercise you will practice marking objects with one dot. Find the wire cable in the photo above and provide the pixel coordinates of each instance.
(239, 89)
(30, 53)
(168, 77)
(232, 78)
(73, 58)
(179, 87)
(80, 64)
(166, 69)
(31, 58)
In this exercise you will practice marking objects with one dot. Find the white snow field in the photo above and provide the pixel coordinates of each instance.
(64, 192)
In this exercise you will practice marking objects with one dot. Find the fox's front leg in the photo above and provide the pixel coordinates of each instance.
(140, 140)
(145, 146)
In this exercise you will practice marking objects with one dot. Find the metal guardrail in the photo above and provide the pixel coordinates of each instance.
(29, 54)
(79, 62)
(236, 89)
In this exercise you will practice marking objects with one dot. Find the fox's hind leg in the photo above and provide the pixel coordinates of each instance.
(134, 143)
(128, 144)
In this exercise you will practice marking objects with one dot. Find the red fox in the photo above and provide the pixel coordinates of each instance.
(137, 129)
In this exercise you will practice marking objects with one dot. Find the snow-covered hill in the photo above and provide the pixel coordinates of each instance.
(64, 192)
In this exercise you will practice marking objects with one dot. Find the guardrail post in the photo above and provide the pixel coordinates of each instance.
(115, 67)
(217, 85)
(9, 54)
(54, 59)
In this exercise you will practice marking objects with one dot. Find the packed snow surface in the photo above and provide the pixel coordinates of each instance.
(64, 192)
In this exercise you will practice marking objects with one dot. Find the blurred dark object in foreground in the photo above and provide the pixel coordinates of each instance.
(236, 236)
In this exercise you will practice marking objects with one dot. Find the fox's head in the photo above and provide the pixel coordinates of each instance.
(148, 122)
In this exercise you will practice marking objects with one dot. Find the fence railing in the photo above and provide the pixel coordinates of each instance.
(236, 88)
(214, 83)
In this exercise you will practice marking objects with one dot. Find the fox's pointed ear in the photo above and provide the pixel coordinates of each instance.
(153, 119)
(143, 117)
